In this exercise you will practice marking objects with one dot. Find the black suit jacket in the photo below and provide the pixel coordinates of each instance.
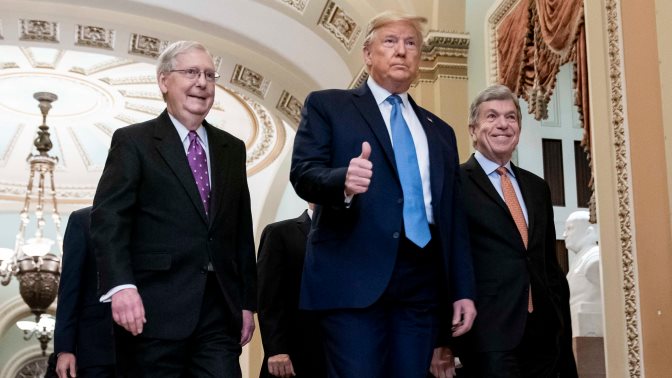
(83, 324)
(504, 269)
(149, 226)
(284, 328)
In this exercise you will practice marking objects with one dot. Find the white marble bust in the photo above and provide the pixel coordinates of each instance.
(581, 238)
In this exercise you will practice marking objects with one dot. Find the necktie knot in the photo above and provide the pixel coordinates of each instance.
(394, 100)
(501, 171)
(192, 136)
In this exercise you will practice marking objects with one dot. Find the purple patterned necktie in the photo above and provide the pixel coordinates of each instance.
(199, 167)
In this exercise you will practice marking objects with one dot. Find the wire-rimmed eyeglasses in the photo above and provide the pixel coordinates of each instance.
(195, 73)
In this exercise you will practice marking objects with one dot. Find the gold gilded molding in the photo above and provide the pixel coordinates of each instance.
(624, 194)
(250, 80)
(440, 43)
(290, 106)
(146, 46)
(360, 79)
(340, 25)
(94, 36)
(38, 30)
(297, 5)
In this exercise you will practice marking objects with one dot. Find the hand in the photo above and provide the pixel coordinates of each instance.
(66, 364)
(280, 365)
(248, 327)
(464, 313)
(443, 363)
(128, 310)
(360, 170)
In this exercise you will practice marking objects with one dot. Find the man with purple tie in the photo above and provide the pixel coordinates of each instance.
(172, 230)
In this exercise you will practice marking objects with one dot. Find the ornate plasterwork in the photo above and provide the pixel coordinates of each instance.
(33, 368)
(151, 110)
(6, 65)
(340, 25)
(146, 46)
(126, 119)
(142, 79)
(11, 145)
(360, 79)
(290, 106)
(117, 62)
(94, 36)
(250, 80)
(80, 149)
(28, 53)
(623, 177)
(38, 30)
(107, 130)
(297, 5)
(440, 43)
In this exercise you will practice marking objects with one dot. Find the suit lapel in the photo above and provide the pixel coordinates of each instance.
(220, 168)
(478, 176)
(368, 108)
(303, 223)
(170, 147)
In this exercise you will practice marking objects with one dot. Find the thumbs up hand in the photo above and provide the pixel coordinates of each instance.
(360, 170)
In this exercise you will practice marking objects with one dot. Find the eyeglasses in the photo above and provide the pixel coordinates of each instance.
(195, 73)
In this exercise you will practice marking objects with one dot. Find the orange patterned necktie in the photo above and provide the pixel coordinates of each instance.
(517, 213)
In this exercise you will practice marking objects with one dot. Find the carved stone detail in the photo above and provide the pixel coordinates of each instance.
(144, 79)
(298, 5)
(38, 30)
(146, 46)
(250, 80)
(33, 368)
(94, 36)
(290, 106)
(340, 25)
(622, 167)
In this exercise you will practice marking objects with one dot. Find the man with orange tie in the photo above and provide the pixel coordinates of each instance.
(522, 328)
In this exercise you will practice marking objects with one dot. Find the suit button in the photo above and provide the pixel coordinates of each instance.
(395, 235)
(400, 201)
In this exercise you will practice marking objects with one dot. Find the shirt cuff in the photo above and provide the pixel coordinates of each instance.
(108, 296)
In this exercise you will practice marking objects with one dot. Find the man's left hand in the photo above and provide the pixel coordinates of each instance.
(464, 313)
(443, 363)
(248, 327)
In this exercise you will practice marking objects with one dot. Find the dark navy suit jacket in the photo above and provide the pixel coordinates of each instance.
(351, 251)
(83, 324)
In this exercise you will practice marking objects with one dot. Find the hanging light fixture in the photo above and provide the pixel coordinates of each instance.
(36, 261)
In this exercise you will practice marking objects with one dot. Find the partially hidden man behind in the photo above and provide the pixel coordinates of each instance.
(518, 333)
(291, 337)
(83, 339)
(172, 230)
(388, 243)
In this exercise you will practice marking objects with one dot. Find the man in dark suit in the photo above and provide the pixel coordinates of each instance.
(291, 337)
(518, 332)
(83, 338)
(388, 243)
(172, 230)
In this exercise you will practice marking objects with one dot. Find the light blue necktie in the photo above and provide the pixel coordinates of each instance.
(415, 217)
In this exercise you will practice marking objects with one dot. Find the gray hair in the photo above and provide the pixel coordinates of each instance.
(493, 92)
(166, 61)
(390, 17)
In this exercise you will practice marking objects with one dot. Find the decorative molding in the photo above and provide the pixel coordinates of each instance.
(80, 149)
(11, 145)
(38, 30)
(297, 5)
(94, 36)
(494, 17)
(116, 62)
(28, 53)
(127, 119)
(7, 65)
(340, 25)
(439, 43)
(623, 183)
(290, 106)
(146, 46)
(1, 35)
(250, 80)
(144, 79)
(441, 69)
(360, 79)
(144, 95)
(107, 130)
(151, 110)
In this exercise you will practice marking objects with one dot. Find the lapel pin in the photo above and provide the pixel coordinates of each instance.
(430, 120)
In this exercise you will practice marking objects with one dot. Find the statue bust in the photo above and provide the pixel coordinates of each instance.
(581, 238)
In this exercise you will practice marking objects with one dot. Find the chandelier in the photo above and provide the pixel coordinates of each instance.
(36, 261)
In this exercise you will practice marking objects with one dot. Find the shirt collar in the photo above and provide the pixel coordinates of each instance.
(490, 166)
(183, 132)
(381, 94)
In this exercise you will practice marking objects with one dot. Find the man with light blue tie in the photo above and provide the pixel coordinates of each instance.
(388, 249)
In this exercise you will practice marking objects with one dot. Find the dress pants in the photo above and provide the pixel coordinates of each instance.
(395, 336)
(212, 350)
